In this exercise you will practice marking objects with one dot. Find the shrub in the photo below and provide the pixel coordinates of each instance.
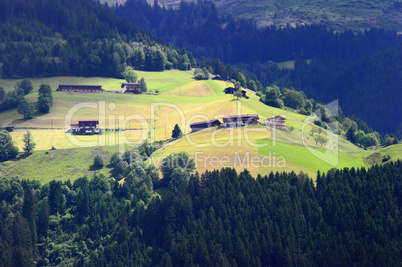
(385, 158)
(98, 162)
(199, 76)
(279, 103)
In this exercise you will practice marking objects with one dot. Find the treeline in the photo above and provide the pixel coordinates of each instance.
(218, 218)
(79, 37)
(16, 99)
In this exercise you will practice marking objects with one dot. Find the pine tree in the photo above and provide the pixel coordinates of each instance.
(43, 218)
(176, 133)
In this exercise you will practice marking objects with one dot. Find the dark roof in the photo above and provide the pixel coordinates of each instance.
(89, 121)
(277, 117)
(132, 85)
(205, 122)
(74, 124)
(76, 85)
(242, 116)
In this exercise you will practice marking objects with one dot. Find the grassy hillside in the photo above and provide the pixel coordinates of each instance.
(183, 101)
(256, 149)
(58, 164)
(339, 14)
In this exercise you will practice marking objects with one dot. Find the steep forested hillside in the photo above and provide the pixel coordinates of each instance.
(200, 28)
(368, 88)
(323, 57)
(221, 218)
(78, 37)
(339, 14)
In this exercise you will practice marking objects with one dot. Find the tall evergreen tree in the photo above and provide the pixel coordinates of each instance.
(176, 133)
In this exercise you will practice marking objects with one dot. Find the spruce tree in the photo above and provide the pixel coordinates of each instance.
(176, 133)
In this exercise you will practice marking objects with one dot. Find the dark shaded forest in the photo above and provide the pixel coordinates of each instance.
(79, 37)
(219, 218)
(348, 66)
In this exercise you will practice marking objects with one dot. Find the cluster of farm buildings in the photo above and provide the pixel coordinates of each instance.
(277, 122)
(91, 126)
(133, 88)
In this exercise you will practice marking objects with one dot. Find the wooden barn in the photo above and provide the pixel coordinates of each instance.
(277, 122)
(240, 120)
(231, 90)
(198, 126)
(133, 88)
(80, 88)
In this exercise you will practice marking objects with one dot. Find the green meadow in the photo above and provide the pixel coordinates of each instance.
(59, 164)
(182, 100)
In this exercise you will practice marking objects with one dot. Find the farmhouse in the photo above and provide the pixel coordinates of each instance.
(231, 90)
(131, 88)
(240, 120)
(197, 126)
(79, 88)
(276, 122)
(85, 126)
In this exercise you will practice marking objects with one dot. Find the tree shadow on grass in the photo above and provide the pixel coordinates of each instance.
(22, 156)
(95, 168)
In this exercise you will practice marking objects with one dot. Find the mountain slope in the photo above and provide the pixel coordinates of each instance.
(338, 14)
